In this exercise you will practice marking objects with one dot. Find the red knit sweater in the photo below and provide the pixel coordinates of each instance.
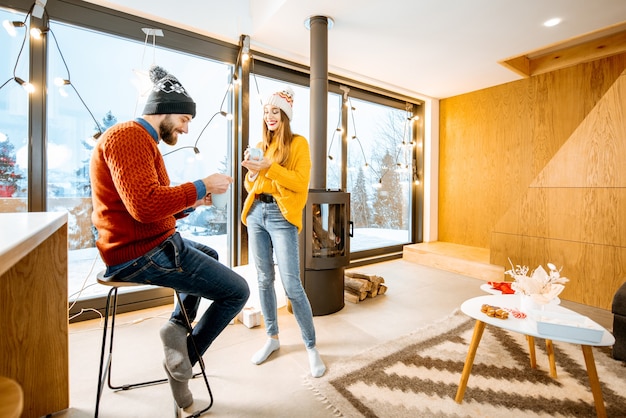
(134, 206)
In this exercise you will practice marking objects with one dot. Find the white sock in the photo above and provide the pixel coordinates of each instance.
(317, 365)
(271, 345)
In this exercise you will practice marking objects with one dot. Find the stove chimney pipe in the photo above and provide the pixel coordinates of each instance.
(318, 25)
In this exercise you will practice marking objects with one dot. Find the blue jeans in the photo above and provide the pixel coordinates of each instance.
(270, 234)
(193, 270)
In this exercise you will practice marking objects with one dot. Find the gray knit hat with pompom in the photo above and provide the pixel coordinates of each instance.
(168, 96)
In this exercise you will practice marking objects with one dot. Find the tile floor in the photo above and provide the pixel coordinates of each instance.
(416, 296)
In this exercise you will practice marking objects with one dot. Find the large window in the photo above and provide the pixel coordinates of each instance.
(380, 174)
(380, 160)
(13, 112)
(88, 98)
(90, 71)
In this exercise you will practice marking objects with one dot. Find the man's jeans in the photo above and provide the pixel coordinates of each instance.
(193, 270)
(268, 234)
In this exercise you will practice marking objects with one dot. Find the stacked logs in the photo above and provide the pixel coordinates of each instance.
(359, 286)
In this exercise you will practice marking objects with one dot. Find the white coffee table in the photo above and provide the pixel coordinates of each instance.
(528, 327)
(486, 287)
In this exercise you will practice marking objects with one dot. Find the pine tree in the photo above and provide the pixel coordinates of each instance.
(388, 204)
(83, 181)
(359, 202)
(108, 120)
(8, 175)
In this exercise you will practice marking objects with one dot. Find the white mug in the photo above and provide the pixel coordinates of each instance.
(255, 154)
(220, 200)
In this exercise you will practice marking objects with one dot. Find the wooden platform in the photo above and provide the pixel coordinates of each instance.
(468, 261)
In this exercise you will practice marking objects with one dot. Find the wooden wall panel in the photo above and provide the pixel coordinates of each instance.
(592, 157)
(541, 178)
(479, 161)
(595, 271)
(494, 142)
(593, 215)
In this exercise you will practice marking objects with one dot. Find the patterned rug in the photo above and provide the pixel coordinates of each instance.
(418, 376)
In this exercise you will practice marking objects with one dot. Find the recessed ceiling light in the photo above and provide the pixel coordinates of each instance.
(552, 22)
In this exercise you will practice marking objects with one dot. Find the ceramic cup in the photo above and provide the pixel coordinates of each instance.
(255, 154)
(220, 200)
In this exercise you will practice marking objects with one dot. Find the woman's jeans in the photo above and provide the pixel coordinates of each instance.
(270, 234)
(193, 270)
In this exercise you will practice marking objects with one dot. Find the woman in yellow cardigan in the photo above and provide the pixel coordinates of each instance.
(278, 183)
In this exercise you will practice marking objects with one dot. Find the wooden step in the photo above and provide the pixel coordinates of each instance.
(461, 259)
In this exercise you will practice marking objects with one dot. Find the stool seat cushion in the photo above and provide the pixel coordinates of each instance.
(101, 279)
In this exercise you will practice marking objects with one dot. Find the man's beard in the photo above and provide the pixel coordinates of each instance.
(167, 132)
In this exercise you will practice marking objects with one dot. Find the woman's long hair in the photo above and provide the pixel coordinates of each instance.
(282, 135)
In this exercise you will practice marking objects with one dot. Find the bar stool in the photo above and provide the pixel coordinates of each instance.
(105, 368)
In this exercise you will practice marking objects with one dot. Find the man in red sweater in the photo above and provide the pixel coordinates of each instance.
(135, 210)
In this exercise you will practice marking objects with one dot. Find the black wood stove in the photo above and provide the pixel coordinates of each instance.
(325, 249)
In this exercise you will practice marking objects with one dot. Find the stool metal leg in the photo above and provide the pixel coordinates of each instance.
(102, 372)
(200, 360)
(105, 368)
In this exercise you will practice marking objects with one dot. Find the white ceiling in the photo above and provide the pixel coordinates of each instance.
(421, 48)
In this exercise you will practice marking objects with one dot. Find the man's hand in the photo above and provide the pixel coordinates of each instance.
(217, 183)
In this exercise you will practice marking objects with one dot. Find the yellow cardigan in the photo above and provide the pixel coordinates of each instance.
(289, 184)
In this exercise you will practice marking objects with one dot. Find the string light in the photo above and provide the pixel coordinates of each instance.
(26, 85)
(10, 26)
(37, 33)
(60, 82)
(355, 137)
(37, 11)
(243, 50)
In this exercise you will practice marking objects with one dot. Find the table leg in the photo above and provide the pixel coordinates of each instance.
(550, 350)
(531, 351)
(596, 390)
(479, 327)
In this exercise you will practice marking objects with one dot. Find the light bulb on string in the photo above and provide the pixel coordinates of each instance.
(10, 26)
(60, 82)
(26, 85)
(37, 33)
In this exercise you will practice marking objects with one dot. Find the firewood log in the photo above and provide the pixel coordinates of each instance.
(371, 277)
(382, 289)
(359, 285)
(350, 297)
(357, 275)
(359, 295)
(376, 280)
